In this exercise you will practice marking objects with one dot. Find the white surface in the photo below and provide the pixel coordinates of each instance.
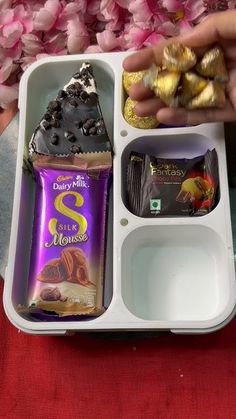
(187, 295)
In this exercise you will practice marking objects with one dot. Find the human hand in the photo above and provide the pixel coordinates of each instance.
(218, 28)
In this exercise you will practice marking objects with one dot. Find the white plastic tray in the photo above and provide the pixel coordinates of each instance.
(174, 273)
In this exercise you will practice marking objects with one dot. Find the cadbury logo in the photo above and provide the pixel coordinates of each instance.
(79, 182)
(63, 178)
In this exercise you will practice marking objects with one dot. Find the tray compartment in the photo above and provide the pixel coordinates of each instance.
(174, 273)
(167, 146)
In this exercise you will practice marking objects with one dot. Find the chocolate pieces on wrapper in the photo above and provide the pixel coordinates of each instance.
(68, 244)
(172, 187)
(73, 122)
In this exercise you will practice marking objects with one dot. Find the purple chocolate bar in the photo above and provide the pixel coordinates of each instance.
(67, 260)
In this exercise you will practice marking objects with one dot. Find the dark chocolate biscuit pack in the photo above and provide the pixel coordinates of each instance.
(172, 187)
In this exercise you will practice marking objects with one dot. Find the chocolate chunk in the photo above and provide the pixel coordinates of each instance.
(93, 98)
(93, 131)
(57, 115)
(71, 90)
(46, 124)
(75, 149)
(78, 86)
(76, 75)
(55, 123)
(84, 96)
(61, 94)
(47, 116)
(54, 105)
(54, 139)
(89, 123)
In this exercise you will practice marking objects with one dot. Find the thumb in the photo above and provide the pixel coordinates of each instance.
(216, 27)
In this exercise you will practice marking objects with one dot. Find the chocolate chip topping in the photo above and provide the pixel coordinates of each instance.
(46, 124)
(47, 116)
(54, 105)
(84, 96)
(93, 131)
(61, 94)
(75, 149)
(54, 139)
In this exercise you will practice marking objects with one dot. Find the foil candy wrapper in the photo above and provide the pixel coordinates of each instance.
(68, 242)
(164, 83)
(213, 65)
(131, 78)
(176, 86)
(192, 85)
(179, 58)
(145, 122)
(212, 96)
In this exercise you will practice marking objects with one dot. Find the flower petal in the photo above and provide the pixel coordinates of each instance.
(11, 34)
(78, 37)
(194, 9)
(107, 41)
(6, 16)
(7, 95)
(6, 69)
(32, 44)
(93, 49)
(55, 44)
(25, 17)
(153, 39)
(67, 13)
(46, 17)
(140, 11)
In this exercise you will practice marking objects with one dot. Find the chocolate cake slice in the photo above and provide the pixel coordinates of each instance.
(73, 122)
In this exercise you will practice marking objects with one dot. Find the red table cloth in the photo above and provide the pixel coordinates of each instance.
(106, 376)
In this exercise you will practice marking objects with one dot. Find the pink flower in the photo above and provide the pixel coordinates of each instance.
(46, 17)
(78, 37)
(31, 44)
(136, 37)
(67, 13)
(56, 44)
(7, 95)
(112, 14)
(107, 41)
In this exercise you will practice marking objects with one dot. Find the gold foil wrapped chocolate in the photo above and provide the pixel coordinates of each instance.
(131, 78)
(213, 65)
(177, 57)
(145, 122)
(192, 85)
(213, 96)
(182, 81)
(165, 86)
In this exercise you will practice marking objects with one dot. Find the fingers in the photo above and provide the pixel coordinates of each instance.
(143, 59)
(180, 116)
(139, 92)
(216, 27)
(148, 107)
